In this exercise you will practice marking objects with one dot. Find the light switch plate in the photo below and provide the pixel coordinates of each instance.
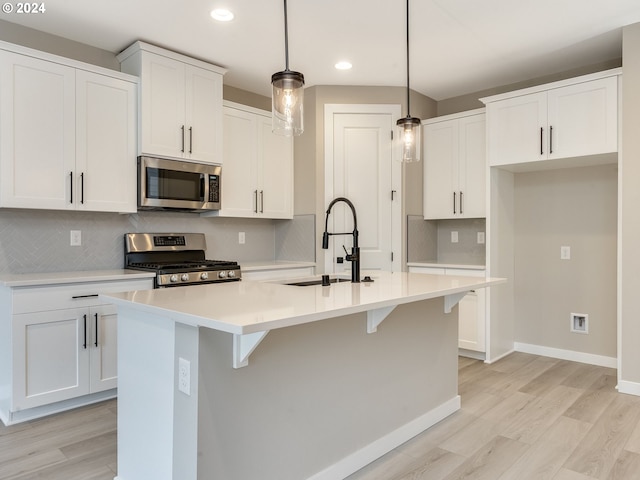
(454, 237)
(76, 238)
(480, 237)
(565, 253)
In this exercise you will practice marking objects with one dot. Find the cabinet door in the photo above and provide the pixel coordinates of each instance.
(50, 357)
(105, 143)
(203, 115)
(472, 167)
(103, 348)
(441, 170)
(163, 128)
(471, 321)
(583, 118)
(37, 126)
(239, 176)
(275, 172)
(516, 130)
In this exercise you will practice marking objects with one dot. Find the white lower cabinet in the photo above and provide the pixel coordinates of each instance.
(471, 309)
(63, 343)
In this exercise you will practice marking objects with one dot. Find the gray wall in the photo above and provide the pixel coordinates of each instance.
(575, 207)
(630, 197)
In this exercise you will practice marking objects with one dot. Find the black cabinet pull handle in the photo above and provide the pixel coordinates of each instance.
(454, 203)
(261, 201)
(70, 187)
(84, 345)
(550, 140)
(182, 130)
(84, 296)
(541, 150)
(190, 139)
(461, 212)
(255, 193)
(82, 188)
(96, 329)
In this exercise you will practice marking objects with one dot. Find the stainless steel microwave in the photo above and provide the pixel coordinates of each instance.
(165, 184)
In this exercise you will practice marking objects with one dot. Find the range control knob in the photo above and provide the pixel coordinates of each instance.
(204, 276)
(232, 273)
(184, 277)
(222, 274)
(173, 278)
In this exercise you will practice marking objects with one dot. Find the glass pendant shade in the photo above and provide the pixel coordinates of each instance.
(410, 133)
(287, 103)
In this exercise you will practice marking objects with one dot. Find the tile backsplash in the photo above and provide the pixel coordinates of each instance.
(429, 241)
(35, 241)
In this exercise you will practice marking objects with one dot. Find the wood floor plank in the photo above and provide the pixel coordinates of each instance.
(627, 467)
(599, 451)
(551, 377)
(490, 461)
(594, 400)
(547, 455)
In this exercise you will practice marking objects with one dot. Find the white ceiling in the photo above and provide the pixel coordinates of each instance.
(457, 46)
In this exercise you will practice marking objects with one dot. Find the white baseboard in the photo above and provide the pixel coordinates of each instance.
(375, 450)
(495, 359)
(630, 388)
(589, 358)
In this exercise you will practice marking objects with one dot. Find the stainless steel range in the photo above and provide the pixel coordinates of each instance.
(177, 258)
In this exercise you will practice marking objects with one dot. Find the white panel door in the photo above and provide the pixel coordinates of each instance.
(50, 357)
(472, 167)
(203, 115)
(275, 175)
(106, 143)
(441, 154)
(362, 172)
(37, 127)
(516, 129)
(239, 189)
(583, 118)
(103, 348)
(163, 107)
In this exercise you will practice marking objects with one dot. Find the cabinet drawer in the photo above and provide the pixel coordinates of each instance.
(38, 299)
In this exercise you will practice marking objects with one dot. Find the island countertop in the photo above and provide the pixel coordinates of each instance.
(247, 306)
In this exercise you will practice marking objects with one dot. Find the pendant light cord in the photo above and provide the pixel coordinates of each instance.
(408, 95)
(286, 39)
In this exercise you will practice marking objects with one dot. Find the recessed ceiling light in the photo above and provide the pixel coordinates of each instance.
(343, 65)
(222, 15)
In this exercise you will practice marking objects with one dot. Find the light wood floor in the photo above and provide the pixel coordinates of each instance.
(524, 417)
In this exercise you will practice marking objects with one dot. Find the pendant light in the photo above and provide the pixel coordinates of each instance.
(410, 126)
(287, 97)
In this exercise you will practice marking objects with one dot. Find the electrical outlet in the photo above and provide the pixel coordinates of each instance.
(184, 376)
(454, 237)
(76, 238)
(565, 253)
(480, 237)
(241, 238)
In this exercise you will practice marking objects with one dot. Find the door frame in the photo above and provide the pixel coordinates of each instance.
(394, 110)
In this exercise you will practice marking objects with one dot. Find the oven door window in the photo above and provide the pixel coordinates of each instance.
(164, 184)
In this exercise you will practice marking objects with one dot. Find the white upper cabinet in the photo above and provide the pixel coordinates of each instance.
(454, 168)
(180, 104)
(257, 180)
(566, 119)
(105, 143)
(68, 135)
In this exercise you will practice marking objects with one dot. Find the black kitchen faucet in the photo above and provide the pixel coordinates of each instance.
(354, 257)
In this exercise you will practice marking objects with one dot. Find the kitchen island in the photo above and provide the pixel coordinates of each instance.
(249, 380)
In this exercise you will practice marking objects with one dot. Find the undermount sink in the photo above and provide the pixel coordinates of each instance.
(309, 283)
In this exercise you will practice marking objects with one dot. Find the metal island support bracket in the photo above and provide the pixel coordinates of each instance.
(244, 345)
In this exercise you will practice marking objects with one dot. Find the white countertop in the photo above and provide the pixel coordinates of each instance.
(446, 265)
(248, 306)
(55, 278)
